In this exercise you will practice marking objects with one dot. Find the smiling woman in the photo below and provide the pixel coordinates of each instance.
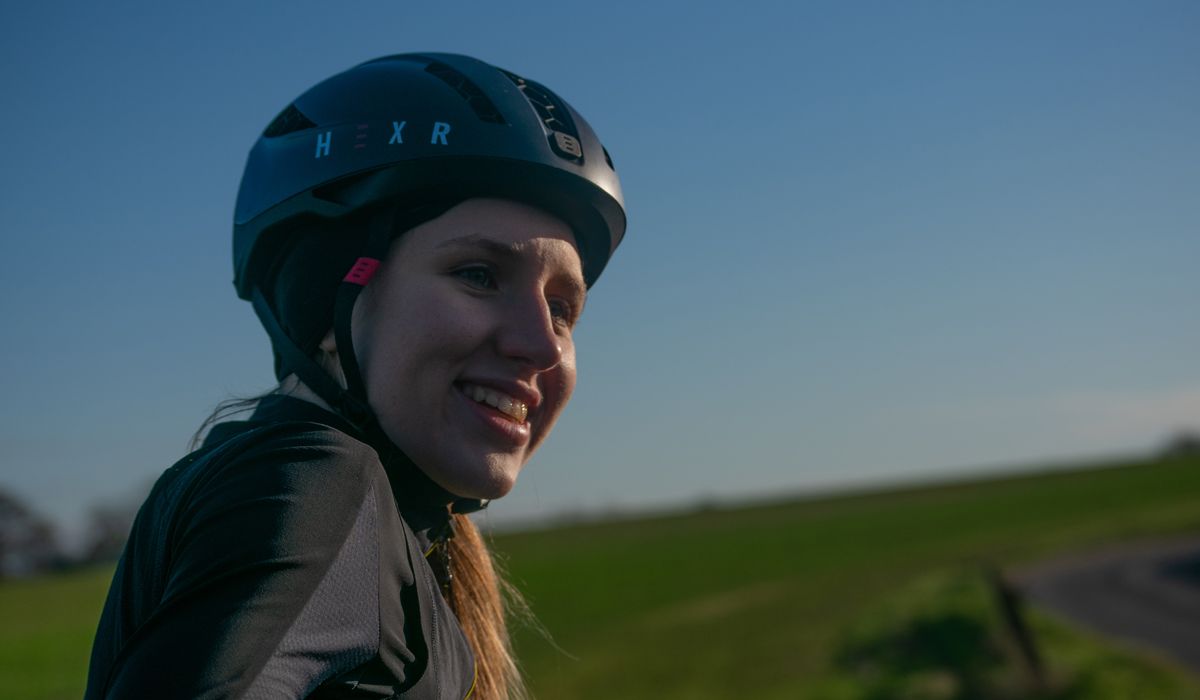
(420, 288)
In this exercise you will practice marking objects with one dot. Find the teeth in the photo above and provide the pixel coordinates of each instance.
(504, 403)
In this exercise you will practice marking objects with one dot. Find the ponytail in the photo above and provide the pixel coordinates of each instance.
(480, 597)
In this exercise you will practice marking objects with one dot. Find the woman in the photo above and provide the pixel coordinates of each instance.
(417, 235)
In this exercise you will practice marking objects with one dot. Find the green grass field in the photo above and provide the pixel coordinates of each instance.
(868, 596)
(760, 602)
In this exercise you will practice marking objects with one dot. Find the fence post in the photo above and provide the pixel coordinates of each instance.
(1008, 600)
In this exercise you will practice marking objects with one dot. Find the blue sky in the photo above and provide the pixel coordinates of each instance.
(868, 241)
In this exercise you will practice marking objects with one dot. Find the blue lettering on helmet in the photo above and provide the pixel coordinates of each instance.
(440, 129)
(397, 137)
(323, 142)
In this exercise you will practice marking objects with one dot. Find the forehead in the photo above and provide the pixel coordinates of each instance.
(501, 227)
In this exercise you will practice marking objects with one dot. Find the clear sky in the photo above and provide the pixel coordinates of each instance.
(867, 242)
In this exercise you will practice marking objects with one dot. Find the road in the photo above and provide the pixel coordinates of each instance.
(1146, 593)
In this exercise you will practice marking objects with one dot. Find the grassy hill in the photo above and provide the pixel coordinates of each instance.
(762, 602)
(874, 595)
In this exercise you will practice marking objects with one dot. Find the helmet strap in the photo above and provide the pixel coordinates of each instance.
(309, 371)
(389, 223)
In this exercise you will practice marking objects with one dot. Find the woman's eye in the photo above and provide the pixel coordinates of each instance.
(477, 276)
(562, 312)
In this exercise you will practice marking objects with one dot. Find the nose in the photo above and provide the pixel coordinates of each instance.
(528, 335)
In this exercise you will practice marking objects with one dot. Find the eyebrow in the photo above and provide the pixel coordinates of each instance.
(510, 252)
(505, 250)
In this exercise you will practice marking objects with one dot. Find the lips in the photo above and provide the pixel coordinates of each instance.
(512, 407)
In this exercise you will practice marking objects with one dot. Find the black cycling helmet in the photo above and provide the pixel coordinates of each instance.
(409, 127)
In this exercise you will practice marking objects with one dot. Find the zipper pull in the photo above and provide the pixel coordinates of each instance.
(439, 555)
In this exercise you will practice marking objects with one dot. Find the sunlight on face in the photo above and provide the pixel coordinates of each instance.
(465, 341)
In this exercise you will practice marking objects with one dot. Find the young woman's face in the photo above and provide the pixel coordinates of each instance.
(464, 341)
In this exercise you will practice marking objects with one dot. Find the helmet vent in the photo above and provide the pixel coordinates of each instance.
(549, 106)
(484, 108)
(608, 159)
(289, 120)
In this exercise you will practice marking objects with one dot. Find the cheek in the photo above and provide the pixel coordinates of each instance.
(560, 383)
(391, 349)
(557, 387)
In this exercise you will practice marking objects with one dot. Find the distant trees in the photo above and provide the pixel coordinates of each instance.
(1185, 443)
(108, 528)
(28, 542)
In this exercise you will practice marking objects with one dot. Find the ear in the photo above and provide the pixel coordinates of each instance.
(328, 344)
(328, 358)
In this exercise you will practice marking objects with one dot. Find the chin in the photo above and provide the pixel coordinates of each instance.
(489, 481)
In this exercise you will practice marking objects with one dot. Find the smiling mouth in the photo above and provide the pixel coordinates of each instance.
(512, 408)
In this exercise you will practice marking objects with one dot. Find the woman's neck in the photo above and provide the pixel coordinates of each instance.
(293, 387)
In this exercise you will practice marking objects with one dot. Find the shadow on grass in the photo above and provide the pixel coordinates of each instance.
(944, 638)
(946, 656)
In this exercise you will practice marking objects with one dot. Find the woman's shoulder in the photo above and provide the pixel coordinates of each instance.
(287, 487)
(289, 433)
(300, 441)
(296, 455)
(292, 455)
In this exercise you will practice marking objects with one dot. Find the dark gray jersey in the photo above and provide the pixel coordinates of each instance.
(282, 560)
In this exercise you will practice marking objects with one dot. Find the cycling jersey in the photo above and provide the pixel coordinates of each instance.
(283, 559)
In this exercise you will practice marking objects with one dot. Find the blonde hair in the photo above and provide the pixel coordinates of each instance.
(484, 602)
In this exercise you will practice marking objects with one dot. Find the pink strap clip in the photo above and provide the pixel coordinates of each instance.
(362, 271)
